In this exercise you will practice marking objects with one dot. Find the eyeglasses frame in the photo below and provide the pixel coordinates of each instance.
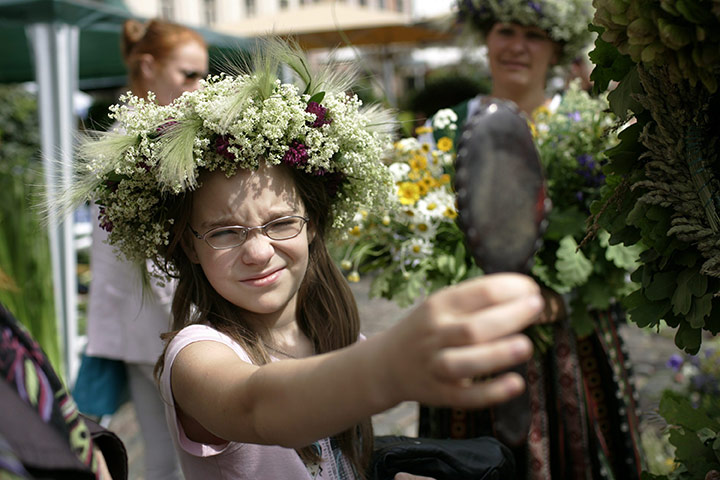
(247, 230)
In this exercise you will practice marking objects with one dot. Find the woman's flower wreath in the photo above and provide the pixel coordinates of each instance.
(232, 122)
(566, 21)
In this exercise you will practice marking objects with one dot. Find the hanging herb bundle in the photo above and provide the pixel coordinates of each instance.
(662, 188)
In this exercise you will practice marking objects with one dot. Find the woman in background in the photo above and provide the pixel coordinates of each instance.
(164, 60)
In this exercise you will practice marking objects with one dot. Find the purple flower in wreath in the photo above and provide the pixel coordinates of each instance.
(333, 181)
(537, 7)
(574, 116)
(222, 143)
(296, 155)
(104, 221)
(320, 113)
(165, 126)
(112, 185)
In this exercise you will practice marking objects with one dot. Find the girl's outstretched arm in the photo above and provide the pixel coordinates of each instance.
(460, 333)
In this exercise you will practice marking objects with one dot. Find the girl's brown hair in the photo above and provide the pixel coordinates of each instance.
(326, 310)
(155, 37)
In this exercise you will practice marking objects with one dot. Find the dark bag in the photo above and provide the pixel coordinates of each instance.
(443, 459)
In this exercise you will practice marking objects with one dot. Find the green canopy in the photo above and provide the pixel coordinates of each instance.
(64, 45)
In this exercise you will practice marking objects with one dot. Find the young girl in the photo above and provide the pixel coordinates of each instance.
(232, 189)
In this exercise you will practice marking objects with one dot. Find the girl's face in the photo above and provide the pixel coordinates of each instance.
(180, 72)
(262, 275)
(520, 56)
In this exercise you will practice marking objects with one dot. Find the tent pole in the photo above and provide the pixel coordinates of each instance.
(56, 50)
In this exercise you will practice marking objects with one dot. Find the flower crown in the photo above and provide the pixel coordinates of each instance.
(566, 21)
(233, 122)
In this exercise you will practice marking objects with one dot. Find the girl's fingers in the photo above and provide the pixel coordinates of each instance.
(452, 364)
(485, 393)
(490, 323)
(481, 292)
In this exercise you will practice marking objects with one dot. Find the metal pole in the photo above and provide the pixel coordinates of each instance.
(55, 46)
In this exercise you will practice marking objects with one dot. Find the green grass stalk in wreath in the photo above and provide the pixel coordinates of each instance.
(663, 189)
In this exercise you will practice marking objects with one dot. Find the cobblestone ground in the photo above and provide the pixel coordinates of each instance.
(648, 352)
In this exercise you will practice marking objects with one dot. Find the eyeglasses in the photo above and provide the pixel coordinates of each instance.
(222, 238)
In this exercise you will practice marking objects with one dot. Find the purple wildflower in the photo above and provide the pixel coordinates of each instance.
(165, 126)
(222, 142)
(296, 155)
(574, 116)
(536, 6)
(320, 113)
(112, 185)
(675, 362)
(333, 181)
(105, 222)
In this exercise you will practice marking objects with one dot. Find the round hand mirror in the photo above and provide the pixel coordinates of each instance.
(502, 206)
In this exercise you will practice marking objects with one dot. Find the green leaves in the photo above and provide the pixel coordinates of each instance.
(572, 265)
(694, 434)
(621, 98)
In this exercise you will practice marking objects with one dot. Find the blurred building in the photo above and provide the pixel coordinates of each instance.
(213, 12)
(383, 34)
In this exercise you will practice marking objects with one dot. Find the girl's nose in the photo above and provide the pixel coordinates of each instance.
(257, 249)
(518, 43)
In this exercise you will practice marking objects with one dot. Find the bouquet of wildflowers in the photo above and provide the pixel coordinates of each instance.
(571, 141)
(417, 247)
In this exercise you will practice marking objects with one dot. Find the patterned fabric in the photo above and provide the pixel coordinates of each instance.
(24, 366)
(10, 466)
(584, 423)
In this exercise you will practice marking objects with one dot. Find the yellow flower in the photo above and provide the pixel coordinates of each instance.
(428, 182)
(444, 144)
(423, 228)
(423, 129)
(425, 148)
(356, 230)
(346, 264)
(408, 192)
(450, 213)
(418, 162)
(386, 220)
(422, 188)
(444, 178)
(416, 248)
(353, 277)
(414, 175)
(431, 206)
(541, 110)
(533, 129)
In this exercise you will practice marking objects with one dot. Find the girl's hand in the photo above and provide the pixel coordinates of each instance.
(554, 306)
(459, 335)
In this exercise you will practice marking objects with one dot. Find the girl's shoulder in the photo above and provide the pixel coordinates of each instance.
(199, 333)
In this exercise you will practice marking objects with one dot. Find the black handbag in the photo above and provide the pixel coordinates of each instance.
(481, 458)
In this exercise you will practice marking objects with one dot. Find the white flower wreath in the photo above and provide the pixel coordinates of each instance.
(233, 122)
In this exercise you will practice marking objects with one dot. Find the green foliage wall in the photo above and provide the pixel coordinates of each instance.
(26, 287)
